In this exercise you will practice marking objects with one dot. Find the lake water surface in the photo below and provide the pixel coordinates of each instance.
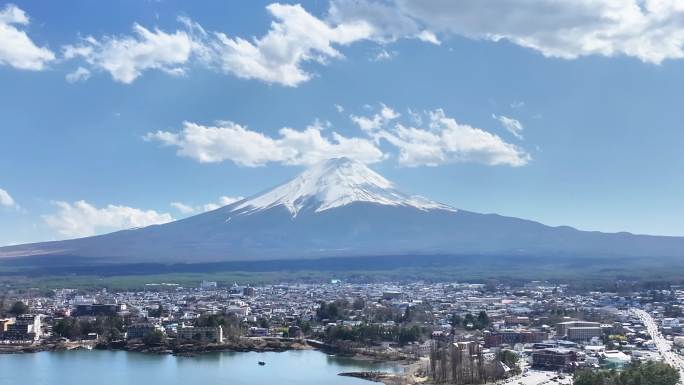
(97, 367)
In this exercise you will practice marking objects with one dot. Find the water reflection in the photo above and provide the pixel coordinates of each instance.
(124, 368)
(361, 364)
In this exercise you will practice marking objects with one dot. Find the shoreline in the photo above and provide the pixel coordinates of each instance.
(243, 345)
(251, 345)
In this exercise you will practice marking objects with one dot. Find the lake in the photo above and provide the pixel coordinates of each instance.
(83, 367)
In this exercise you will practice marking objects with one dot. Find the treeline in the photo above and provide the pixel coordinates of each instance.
(651, 373)
(232, 327)
(471, 322)
(15, 309)
(368, 334)
(341, 309)
(108, 328)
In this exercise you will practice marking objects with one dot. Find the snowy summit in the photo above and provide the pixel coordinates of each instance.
(334, 183)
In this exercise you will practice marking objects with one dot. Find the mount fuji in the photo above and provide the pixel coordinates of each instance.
(342, 208)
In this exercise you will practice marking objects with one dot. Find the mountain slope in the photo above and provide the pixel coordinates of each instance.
(342, 208)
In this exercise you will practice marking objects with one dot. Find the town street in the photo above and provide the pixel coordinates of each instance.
(664, 346)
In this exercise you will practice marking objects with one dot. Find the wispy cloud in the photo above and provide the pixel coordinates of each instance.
(190, 209)
(511, 125)
(377, 120)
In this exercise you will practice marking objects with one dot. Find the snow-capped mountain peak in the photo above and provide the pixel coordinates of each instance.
(334, 183)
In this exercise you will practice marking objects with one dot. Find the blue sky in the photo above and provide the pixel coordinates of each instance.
(127, 114)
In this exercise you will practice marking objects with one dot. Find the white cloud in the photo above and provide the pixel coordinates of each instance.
(377, 121)
(210, 207)
(226, 200)
(517, 105)
(231, 141)
(6, 199)
(650, 30)
(416, 118)
(447, 141)
(428, 37)
(80, 74)
(295, 37)
(383, 55)
(388, 22)
(339, 108)
(188, 209)
(183, 208)
(127, 57)
(223, 201)
(442, 140)
(511, 125)
(16, 48)
(82, 219)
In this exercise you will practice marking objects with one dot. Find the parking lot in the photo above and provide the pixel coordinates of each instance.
(537, 377)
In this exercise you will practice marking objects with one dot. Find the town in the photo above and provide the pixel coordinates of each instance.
(460, 333)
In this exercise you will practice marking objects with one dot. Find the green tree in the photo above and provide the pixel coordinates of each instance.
(482, 320)
(410, 334)
(19, 308)
(407, 314)
(157, 313)
(456, 320)
(650, 373)
(508, 357)
(154, 338)
(469, 321)
(67, 328)
(264, 323)
(330, 311)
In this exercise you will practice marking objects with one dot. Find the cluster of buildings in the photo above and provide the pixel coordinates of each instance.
(615, 338)
(545, 325)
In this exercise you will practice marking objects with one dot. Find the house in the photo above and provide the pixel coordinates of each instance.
(555, 359)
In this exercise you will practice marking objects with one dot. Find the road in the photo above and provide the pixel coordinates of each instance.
(664, 346)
